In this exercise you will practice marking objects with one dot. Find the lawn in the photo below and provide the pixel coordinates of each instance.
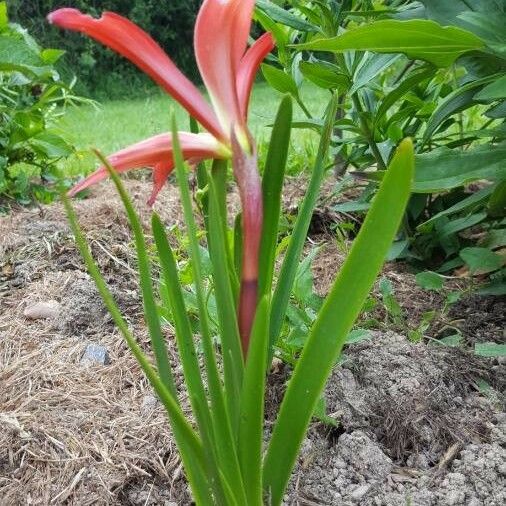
(118, 123)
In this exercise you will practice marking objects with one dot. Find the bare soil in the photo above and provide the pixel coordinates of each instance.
(420, 424)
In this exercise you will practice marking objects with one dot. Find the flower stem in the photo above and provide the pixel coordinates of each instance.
(250, 189)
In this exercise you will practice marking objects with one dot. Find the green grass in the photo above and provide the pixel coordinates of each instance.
(117, 124)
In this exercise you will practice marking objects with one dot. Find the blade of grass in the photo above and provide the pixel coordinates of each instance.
(148, 298)
(221, 422)
(341, 308)
(272, 185)
(188, 442)
(288, 272)
(252, 406)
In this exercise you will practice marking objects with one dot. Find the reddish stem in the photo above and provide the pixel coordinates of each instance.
(250, 190)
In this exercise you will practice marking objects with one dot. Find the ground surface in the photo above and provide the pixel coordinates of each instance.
(419, 424)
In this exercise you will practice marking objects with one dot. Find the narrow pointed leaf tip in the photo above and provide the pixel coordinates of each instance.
(418, 39)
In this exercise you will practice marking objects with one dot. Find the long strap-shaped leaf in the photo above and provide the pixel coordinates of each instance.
(272, 185)
(188, 355)
(233, 364)
(252, 406)
(189, 444)
(283, 289)
(148, 298)
(341, 308)
(221, 424)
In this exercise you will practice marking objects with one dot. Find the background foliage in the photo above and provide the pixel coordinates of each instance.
(432, 70)
(101, 72)
(32, 99)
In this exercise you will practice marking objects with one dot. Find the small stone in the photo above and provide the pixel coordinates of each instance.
(42, 310)
(148, 405)
(95, 354)
(359, 492)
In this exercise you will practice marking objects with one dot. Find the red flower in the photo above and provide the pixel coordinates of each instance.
(227, 67)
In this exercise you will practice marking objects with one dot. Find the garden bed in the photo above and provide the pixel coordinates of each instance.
(419, 424)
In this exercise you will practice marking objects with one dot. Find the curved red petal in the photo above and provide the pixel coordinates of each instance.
(161, 173)
(221, 37)
(249, 67)
(156, 153)
(127, 39)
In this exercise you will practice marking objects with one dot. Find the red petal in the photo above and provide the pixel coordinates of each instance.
(221, 37)
(161, 173)
(249, 67)
(155, 153)
(127, 39)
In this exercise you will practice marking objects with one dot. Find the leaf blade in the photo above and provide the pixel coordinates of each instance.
(336, 319)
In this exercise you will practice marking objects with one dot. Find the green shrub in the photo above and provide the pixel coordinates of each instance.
(32, 98)
(428, 70)
(101, 72)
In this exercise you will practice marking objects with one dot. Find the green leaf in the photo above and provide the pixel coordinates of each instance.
(17, 55)
(186, 348)
(189, 444)
(279, 80)
(459, 224)
(320, 413)
(230, 340)
(272, 185)
(280, 15)
(335, 321)
(4, 19)
(370, 67)
(352, 207)
(324, 75)
(457, 101)
(288, 271)
(490, 350)
(494, 91)
(148, 298)
(51, 56)
(497, 288)
(497, 203)
(429, 280)
(279, 32)
(395, 95)
(222, 423)
(417, 39)
(358, 336)
(473, 201)
(444, 169)
(481, 260)
(448, 12)
(453, 341)
(252, 406)
(50, 145)
(496, 238)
